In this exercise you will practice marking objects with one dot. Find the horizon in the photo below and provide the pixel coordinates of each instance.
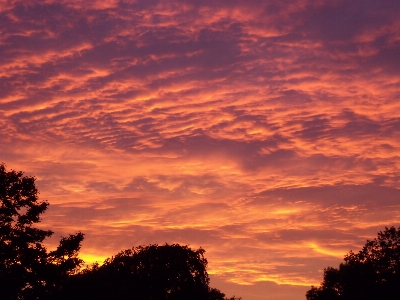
(266, 133)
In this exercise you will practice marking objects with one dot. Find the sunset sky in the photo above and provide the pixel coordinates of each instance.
(266, 132)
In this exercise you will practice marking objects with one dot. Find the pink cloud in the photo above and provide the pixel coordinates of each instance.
(264, 132)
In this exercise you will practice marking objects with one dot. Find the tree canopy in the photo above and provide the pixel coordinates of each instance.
(27, 270)
(372, 273)
(151, 272)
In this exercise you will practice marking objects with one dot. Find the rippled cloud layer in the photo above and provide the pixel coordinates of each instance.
(265, 132)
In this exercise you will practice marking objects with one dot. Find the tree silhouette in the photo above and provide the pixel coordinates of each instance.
(27, 270)
(372, 273)
(152, 272)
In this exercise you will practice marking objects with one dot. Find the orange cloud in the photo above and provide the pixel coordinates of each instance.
(265, 133)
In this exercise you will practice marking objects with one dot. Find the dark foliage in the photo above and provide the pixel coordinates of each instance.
(27, 270)
(372, 273)
(152, 272)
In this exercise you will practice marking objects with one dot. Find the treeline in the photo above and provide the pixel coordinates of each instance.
(29, 272)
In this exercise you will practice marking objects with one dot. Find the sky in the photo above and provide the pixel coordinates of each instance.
(265, 132)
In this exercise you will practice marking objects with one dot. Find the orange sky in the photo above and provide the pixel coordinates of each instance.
(266, 132)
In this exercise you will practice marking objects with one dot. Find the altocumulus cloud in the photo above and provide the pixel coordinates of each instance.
(266, 133)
